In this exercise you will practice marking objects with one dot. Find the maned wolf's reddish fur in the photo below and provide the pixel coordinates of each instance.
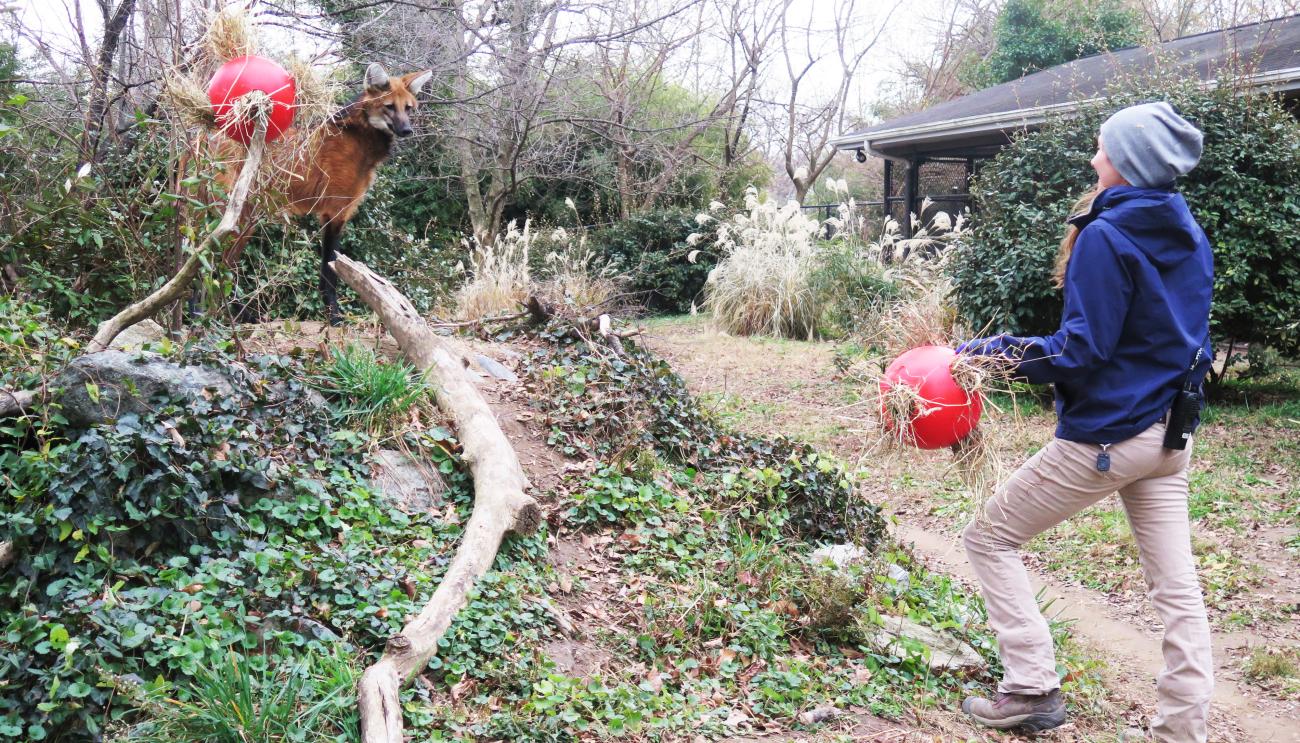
(330, 176)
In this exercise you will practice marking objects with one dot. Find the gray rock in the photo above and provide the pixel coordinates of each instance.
(898, 574)
(412, 487)
(493, 367)
(947, 653)
(137, 336)
(318, 630)
(128, 383)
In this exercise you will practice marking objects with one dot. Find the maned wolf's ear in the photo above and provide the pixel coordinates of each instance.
(416, 80)
(376, 78)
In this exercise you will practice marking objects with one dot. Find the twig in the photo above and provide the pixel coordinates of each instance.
(176, 287)
(481, 321)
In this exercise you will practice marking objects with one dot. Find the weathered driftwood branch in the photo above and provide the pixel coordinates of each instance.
(481, 321)
(500, 503)
(16, 402)
(176, 287)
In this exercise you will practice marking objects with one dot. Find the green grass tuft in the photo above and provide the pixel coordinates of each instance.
(368, 393)
(245, 699)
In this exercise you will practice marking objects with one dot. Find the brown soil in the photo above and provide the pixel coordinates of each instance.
(789, 388)
(769, 385)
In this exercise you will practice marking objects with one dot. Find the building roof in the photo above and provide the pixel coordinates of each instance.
(1268, 53)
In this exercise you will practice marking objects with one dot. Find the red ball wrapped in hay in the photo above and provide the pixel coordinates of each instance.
(922, 403)
(241, 76)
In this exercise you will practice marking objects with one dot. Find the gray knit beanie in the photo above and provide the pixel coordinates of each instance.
(1150, 144)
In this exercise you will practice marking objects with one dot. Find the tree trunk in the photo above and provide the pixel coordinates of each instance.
(500, 504)
(114, 25)
(469, 177)
(175, 288)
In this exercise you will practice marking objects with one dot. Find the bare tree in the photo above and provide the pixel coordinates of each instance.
(745, 29)
(514, 111)
(962, 33)
(1170, 19)
(810, 119)
(652, 115)
(626, 75)
(115, 24)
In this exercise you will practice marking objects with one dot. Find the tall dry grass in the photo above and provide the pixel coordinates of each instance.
(499, 275)
(574, 274)
(762, 285)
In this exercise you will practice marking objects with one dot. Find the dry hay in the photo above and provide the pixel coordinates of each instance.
(927, 319)
(232, 33)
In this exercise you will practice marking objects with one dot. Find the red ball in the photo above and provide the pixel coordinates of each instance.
(946, 412)
(244, 75)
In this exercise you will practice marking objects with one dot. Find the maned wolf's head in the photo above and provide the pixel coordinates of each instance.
(388, 101)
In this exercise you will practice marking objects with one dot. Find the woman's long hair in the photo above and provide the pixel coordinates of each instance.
(1081, 206)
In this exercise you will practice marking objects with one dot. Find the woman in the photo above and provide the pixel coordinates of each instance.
(1134, 332)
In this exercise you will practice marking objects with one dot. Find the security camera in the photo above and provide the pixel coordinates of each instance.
(860, 155)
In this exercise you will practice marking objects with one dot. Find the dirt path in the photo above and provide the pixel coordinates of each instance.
(789, 387)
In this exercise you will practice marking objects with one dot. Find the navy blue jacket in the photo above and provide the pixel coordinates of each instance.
(1137, 307)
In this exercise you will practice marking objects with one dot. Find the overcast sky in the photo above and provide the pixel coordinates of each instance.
(52, 21)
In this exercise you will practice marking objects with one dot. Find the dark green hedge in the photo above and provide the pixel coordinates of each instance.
(1245, 193)
(652, 248)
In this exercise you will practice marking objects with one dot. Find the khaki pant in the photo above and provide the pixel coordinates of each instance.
(1058, 482)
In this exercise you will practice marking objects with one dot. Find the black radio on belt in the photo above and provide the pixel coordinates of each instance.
(1186, 411)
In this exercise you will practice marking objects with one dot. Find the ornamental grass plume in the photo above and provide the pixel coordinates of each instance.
(575, 275)
(500, 278)
(762, 284)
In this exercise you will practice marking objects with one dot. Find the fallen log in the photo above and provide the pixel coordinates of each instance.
(178, 285)
(15, 402)
(501, 505)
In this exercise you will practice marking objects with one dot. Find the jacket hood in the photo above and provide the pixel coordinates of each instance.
(1155, 220)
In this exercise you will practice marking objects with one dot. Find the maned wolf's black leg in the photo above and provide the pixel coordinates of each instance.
(328, 279)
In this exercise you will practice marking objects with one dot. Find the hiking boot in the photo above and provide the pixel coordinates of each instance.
(1025, 713)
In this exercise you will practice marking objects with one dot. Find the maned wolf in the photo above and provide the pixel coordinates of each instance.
(329, 176)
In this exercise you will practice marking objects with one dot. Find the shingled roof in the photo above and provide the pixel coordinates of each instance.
(1267, 52)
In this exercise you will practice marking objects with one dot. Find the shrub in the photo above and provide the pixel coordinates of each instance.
(157, 545)
(279, 271)
(762, 284)
(28, 341)
(651, 248)
(1243, 193)
(602, 406)
(87, 239)
(853, 291)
